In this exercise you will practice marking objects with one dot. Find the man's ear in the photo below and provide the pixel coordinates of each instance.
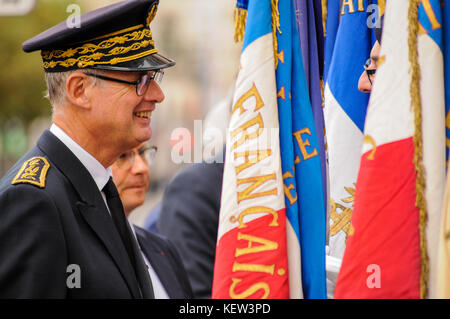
(78, 89)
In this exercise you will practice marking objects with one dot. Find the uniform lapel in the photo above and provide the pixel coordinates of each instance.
(102, 225)
(91, 204)
(161, 264)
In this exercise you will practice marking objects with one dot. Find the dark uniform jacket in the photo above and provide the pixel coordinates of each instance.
(57, 239)
(166, 262)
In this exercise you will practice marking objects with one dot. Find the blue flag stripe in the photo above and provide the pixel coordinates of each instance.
(300, 157)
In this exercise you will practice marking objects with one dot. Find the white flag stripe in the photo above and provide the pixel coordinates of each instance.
(393, 75)
(294, 262)
(433, 128)
(344, 146)
(260, 72)
(344, 140)
(391, 101)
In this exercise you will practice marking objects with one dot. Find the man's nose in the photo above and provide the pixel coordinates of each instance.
(139, 165)
(364, 84)
(154, 93)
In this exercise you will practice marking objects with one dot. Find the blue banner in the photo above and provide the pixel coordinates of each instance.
(330, 32)
(310, 28)
(429, 18)
(301, 164)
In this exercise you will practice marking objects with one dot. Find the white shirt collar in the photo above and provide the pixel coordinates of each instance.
(99, 173)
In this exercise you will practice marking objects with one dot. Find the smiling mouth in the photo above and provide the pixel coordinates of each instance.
(145, 115)
(131, 187)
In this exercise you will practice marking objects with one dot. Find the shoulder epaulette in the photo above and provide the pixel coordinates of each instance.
(33, 171)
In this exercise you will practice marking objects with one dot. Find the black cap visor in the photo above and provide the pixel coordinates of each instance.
(150, 62)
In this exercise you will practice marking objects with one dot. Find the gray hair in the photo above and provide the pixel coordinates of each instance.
(56, 86)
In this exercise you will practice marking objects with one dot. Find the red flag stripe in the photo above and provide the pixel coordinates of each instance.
(250, 260)
(382, 258)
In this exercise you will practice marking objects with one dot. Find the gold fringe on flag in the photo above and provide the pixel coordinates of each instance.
(324, 16)
(240, 18)
(324, 22)
(418, 152)
(275, 28)
(381, 6)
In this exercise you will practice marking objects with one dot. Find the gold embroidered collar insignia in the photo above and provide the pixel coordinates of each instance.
(33, 171)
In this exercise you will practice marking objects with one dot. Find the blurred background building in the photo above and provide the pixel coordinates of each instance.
(197, 34)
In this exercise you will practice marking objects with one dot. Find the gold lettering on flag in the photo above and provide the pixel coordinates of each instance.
(260, 155)
(253, 92)
(287, 188)
(243, 130)
(249, 291)
(280, 56)
(268, 269)
(255, 180)
(281, 93)
(360, 6)
(431, 15)
(349, 4)
(256, 210)
(303, 143)
(265, 244)
(351, 8)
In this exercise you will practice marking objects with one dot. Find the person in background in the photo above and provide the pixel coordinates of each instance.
(131, 174)
(367, 77)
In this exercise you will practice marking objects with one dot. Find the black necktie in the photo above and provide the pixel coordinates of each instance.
(118, 215)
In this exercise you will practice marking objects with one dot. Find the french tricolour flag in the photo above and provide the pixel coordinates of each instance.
(251, 254)
(392, 251)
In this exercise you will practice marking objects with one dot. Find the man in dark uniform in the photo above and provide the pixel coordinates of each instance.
(131, 174)
(63, 232)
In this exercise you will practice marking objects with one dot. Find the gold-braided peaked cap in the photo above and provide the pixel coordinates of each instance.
(115, 37)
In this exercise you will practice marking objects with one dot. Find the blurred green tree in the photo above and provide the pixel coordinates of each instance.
(22, 83)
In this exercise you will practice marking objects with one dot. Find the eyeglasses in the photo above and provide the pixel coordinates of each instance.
(126, 160)
(369, 72)
(141, 84)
